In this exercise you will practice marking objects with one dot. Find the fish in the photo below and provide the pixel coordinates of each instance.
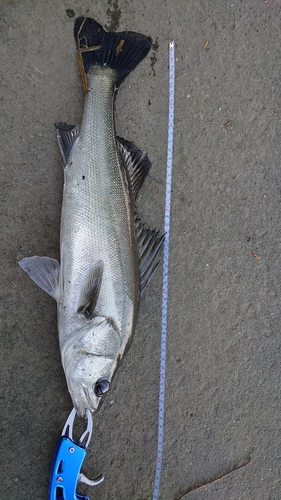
(107, 255)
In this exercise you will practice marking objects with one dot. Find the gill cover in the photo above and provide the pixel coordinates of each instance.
(89, 361)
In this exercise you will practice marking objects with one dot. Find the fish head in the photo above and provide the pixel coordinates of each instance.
(90, 361)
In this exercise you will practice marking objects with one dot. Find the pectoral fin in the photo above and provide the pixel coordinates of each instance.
(44, 271)
(90, 294)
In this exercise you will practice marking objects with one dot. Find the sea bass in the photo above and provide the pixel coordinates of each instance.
(107, 255)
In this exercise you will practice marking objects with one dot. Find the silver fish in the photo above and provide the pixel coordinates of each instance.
(107, 254)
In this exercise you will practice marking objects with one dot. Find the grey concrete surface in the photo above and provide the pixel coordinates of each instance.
(222, 433)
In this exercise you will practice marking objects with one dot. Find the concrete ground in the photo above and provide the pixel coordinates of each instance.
(223, 405)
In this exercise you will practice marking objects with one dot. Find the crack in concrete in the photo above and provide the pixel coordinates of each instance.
(216, 478)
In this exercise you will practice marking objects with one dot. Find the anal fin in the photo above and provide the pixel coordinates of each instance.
(66, 136)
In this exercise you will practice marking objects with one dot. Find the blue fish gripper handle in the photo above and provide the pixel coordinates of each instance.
(67, 464)
(68, 460)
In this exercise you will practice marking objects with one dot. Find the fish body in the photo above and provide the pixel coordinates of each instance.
(98, 237)
(107, 254)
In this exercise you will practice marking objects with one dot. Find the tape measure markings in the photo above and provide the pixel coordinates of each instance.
(162, 380)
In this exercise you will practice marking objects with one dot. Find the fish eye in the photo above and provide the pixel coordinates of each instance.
(101, 387)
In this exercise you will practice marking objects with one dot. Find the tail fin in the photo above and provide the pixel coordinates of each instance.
(120, 51)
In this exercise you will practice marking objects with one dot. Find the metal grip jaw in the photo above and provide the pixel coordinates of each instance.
(68, 460)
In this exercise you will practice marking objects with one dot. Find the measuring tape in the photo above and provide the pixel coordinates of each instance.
(165, 272)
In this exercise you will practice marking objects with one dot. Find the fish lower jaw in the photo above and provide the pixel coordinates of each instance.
(84, 399)
(81, 408)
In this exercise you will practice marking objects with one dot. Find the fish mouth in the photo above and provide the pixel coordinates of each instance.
(87, 394)
(81, 407)
(85, 401)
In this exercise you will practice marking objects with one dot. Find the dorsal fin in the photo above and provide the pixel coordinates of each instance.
(136, 164)
(66, 136)
(149, 243)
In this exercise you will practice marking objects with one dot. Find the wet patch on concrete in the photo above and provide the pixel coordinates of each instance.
(114, 14)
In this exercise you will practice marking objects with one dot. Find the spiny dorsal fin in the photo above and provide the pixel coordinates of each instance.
(91, 290)
(135, 163)
(66, 136)
(44, 271)
(149, 243)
